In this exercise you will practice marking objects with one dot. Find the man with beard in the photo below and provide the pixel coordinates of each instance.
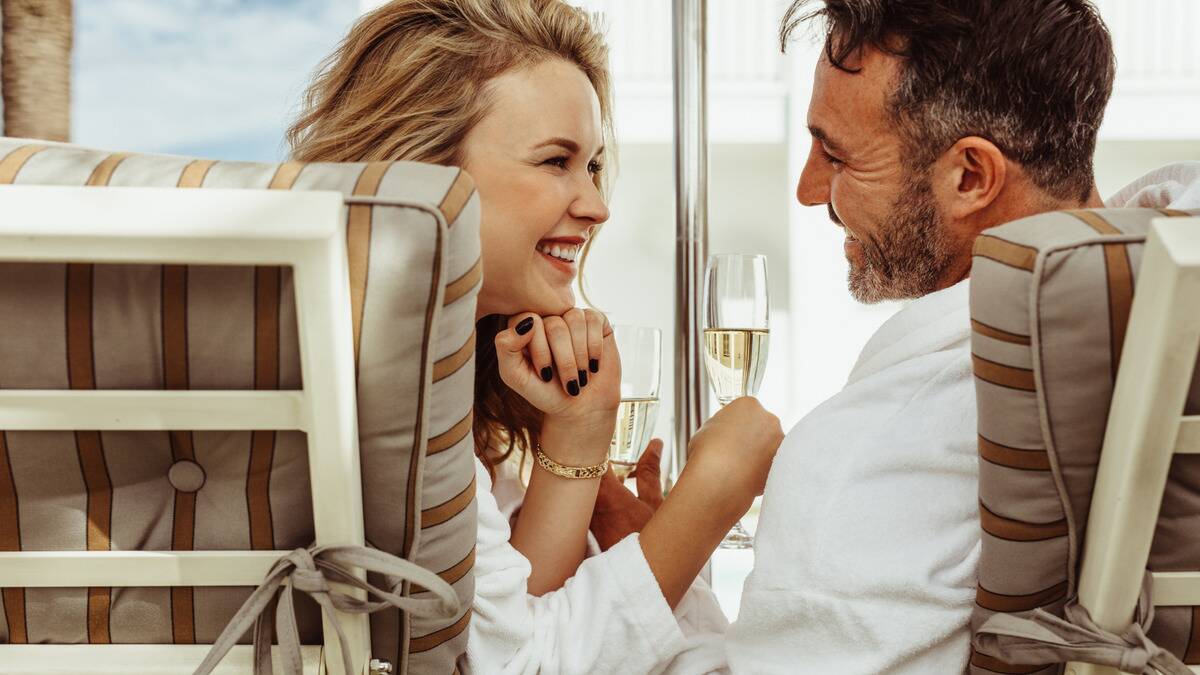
(931, 121)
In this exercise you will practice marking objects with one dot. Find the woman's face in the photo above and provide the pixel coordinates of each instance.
(533, 157)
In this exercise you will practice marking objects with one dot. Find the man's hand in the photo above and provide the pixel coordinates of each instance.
(618, 511)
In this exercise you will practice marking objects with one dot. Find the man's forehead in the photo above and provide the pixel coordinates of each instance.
(851, 102)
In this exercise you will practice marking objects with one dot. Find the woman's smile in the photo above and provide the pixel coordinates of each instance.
(561, 253)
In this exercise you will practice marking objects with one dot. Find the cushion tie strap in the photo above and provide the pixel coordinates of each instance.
(1042, 638)
(271, 606)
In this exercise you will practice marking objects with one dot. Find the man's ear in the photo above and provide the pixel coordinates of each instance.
(969, 176)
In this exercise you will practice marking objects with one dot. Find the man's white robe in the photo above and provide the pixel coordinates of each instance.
(866, 548)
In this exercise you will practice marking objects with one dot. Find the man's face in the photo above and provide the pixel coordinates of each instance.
(896, 241)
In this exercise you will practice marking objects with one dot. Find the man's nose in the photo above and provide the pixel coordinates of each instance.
(813, 187)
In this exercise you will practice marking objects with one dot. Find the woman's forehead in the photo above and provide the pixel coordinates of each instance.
(553, 99)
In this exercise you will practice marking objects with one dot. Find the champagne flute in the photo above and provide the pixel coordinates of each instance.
(736, 337)
(641, 353)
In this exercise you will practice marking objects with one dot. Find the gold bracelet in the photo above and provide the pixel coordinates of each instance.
(570, 471)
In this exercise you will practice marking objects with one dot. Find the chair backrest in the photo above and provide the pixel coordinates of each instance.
(1051, 298)
(413, 274)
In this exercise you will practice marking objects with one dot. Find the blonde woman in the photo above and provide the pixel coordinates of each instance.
(517, 92)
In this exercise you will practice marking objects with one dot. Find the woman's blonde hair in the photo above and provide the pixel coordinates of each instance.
(409, 83)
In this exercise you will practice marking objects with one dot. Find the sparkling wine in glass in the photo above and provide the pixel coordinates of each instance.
(736, 337)
(641, 353)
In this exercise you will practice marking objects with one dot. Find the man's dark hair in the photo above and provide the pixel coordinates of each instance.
(1031, 76)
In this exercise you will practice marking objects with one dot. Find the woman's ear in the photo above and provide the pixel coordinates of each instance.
(969, 176)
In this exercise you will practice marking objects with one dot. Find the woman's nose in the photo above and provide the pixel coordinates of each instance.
(590, 204)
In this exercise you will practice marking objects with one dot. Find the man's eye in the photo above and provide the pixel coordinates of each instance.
(834, 161)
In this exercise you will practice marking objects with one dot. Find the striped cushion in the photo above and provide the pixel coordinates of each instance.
(415, 272)
(1050, 299)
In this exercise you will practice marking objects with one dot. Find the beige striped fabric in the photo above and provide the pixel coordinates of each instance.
(415, 271)
(1050, 300)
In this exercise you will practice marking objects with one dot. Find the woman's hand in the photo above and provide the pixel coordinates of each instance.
(618, 511)
(732, 453)
(568, 367)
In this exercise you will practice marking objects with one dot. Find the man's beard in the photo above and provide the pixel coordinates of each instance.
(908, 256)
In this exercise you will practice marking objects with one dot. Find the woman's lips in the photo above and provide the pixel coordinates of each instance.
(558, 264)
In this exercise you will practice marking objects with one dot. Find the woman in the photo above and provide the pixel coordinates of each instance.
(517, 92)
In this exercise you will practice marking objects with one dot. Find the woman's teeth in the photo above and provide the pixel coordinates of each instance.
(562, 252)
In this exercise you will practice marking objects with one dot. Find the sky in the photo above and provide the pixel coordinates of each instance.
(211, 78)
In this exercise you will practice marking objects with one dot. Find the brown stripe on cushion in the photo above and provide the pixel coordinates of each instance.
(457, 197)
(1014, 458)
(82, 375)
(1005, 252)
(1191, 655)
(358, 244)
(1019, 530)
(286, 175)
(433, 640)
(461, 286)
(10, 540)
(1095, 221)
(446, 510)
(1002, 375)
(449, 439)
(453, 573)
(175, 377)
(1174, 213)
(448, 366)
(194, 173)
(266, 377)
(104, 170)
(981, 660)
(1120, 298)
(998, 602)
(12, 163)
(997, 334)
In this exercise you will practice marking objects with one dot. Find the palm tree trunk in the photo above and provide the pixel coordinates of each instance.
(35, 68)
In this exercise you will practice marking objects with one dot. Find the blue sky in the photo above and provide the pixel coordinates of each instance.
(213, 78)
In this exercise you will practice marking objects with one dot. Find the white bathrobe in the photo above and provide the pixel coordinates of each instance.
(610, 617)
(869, 535)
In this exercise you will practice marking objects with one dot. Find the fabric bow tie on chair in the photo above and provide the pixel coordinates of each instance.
(1043, 638)
(271, 606)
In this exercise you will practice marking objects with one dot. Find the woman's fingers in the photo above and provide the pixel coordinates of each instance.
(563, 351)
(576, 322)
(596, 323)
(526, 333)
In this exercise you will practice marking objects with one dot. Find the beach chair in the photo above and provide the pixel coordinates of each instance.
(1089, 443)
(264, 381)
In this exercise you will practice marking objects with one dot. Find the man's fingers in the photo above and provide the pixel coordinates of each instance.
(559, 337)
(648, 473)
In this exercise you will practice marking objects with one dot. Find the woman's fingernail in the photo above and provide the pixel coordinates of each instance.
(594, 365)
(573, 388)
(547, 374)
(525, 326)
(583, 378)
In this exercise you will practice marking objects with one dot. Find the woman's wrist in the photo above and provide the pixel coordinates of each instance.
(578, 441)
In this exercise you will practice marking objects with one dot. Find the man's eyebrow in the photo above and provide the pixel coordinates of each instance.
(819, 134)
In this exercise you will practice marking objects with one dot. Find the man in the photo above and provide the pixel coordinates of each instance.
(931, 121)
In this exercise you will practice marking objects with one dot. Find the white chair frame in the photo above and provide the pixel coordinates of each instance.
(302, 230)
(1146, 428)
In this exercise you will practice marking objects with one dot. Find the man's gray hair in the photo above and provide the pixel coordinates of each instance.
(1033, 76)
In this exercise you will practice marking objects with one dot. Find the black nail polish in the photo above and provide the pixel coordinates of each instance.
(583, 378)
(547, 374)
(525, 326)
(594, 365)
(573, 388)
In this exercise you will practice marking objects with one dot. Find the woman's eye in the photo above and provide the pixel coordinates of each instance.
(595, 167)
(560, 162)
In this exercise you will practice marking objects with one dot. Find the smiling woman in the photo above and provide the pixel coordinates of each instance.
(517, 93)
